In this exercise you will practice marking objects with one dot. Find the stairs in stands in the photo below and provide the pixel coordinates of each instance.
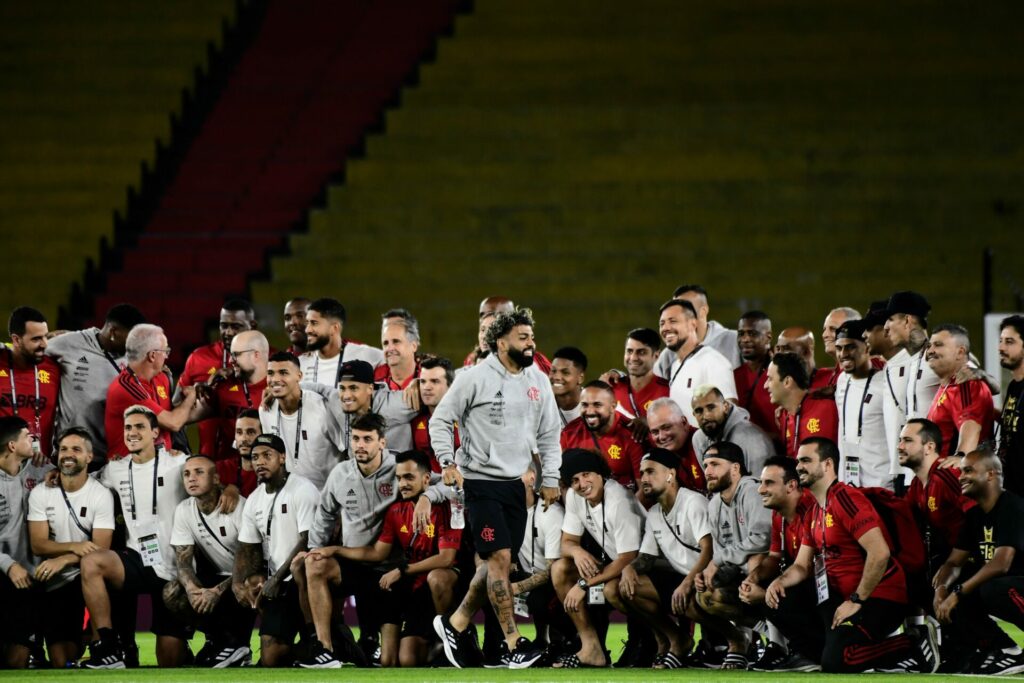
(585, 158)
(86, 89)
(315, 77)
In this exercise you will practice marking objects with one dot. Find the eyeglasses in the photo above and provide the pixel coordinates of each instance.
(166, 350)
(236, 354)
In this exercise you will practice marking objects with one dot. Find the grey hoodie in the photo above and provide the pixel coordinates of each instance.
(360, 502)
(14, 545)
(387, 403)
(503, 420)
(738, 429)
(742, 528)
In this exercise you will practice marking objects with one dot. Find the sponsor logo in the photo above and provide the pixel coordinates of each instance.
(234, 387)
(83, 359)
(421, 425)
(404, 529)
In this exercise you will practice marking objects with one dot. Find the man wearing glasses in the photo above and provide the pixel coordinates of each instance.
(143, 382)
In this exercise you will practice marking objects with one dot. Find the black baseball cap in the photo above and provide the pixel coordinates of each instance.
(728, 451)
(662, 456)
(878, 313)
(271, 440)
(910, 303)
(356, 371)
(853, 329)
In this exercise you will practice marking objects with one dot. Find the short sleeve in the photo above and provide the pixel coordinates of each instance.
(697, 517)
(776, 543)
(249, 533)
(180, 533)
(552, 532)
(387, 531)
(628, 525)
(104, 506)
(649, 545)
(720, 375)
(306, 504)
(37, 505)
(448, 538)
(974, 404)
(856, 511)
(571, 523)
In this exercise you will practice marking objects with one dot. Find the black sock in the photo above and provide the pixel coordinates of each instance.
(107, 635)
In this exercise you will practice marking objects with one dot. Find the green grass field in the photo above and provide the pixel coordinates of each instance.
(616, 633)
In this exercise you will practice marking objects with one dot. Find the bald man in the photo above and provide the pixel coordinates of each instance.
(494, 305)
(489, 308)
(800, 340)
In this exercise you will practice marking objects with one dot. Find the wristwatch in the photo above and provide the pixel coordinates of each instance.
(582, 583)
(956, 588)
(855, 599)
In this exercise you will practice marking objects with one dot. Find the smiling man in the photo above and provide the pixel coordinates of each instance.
(1011, 436)
(29, 379)
(567, 374)
(599, 427)
(963, 411)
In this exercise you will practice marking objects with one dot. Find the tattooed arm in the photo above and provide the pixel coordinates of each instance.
(535, 580)
(248, 565)
(183, 556)
(272, 586)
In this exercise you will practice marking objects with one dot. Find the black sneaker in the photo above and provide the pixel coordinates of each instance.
(708, 656)
(775, 659)
(1000, 663)
(452, 640)
(104, 655)
(926, 638)
(131, 656)
(346, 647)
(320, 658)
(206, 653)
(228, 656)
(523, 657)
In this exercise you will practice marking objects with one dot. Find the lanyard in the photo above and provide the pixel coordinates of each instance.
(298, 425)
(131, 483)
(673, 531)
(796, 427)
(245, 390)
(863, 401)
(892, 392)
(14, 394)
(604, 553)
(915, 377)
(632, 401)
(110, 359)
(533, 534)
(202, 520)
(337, 373)
(565, 423)
(71, 512)
(273, 504)
(680, 368)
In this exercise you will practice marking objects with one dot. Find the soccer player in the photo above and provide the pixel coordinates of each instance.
(861, 589)
(800, 340)
(695, 364)
(489, 308)
(597, 505)
(149, 484)
(865, 459)
(143, 382)
(400, 341)
(295, 324)
(567, 374)
(302, 419)
(678, 532)
(671, 431)
(247, 428)
(359, 394)
(211, 363)
(89, 361)
(30, 380)
(602, 429)
(754, 337)
(65, 523)
(643, 386)
(436, 377)
(963, 411)
(833, 321)
(506, 411)
(275, 526)
(879, 345)
(720, 420)
(16, 561)
(1011, 432)
(709, 332)
(913, 383)
(420, 586)
(803, 415)
(201, 595)
(326, 348)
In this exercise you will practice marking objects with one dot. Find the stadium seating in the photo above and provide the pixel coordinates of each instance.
(586, 158)
(87, 92)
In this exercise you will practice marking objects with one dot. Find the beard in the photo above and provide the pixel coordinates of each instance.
(316, 343)
(520, 358)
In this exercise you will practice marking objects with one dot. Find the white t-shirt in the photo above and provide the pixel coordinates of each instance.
(675, 535)
(170, 490)
(319, 443)
(543, 537)
(92, 506)
(870, 449)
(215, 534)
(275, 520)
(568, 416)
(706, 366)
(617, 523)
(325, 371)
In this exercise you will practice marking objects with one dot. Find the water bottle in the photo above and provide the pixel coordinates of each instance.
(459, 509)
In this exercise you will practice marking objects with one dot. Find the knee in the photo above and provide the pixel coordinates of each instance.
(315, 570)
(499, 560)
(298, 565)
(91, 565)
(562, 571)
(407, 658)
(440, 580)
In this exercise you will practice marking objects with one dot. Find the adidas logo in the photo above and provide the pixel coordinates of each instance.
(498, 395)
(83, 359)
(351, 492)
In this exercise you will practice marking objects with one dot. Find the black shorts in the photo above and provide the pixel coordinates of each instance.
(360, 579)
(665, 583)
(412, 609)
(22, 612)
(64, 608)
(140, 579)
(281, 618)
(496, 511)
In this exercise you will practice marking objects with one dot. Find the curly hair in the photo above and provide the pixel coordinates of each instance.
(503, 324)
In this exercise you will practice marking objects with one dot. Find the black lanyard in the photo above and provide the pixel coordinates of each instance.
(245, 390)
(796, 427)
(892, 392)
(565, 423)
(533, 533)
(202, 520)
(131, 483)
(298, 425)
(604, 505)
(673, 531)
(916, 377)
(680, 368)
(273, 504)
(337, 372)
(632, 401)
(110, 359)
(863, 401)
(71, 511)
(14, 395)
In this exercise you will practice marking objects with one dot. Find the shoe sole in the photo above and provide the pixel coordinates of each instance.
(238, 655)
(439, 630)
(332, 665)
(526, 664)
(118, 665)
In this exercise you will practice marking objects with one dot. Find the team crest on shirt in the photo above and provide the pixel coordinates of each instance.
(931, 504)
(487, 534)
(615, 452)
(829, 522)
(212, 371)
(693, 468)
(647, 406)
(430, 531)
(161, 392)
(44, 376)
(385, 490)
(813, 426)
(533, 394)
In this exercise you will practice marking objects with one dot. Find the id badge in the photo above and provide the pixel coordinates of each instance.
(851, 475)
(149, 544)
(820, 578)
(35, 444)
(520, 607)
(595, 594)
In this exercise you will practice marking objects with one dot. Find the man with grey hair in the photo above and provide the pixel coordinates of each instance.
(671, 430)
(720, 420)
(143, 382)
(400, 340)
(962, 410)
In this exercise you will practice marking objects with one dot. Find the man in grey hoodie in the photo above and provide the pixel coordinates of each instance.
(506, 414)
(720, 420)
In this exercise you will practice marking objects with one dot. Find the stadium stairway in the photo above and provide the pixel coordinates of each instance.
(85, 91)
(315, 77)
(585, 158)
